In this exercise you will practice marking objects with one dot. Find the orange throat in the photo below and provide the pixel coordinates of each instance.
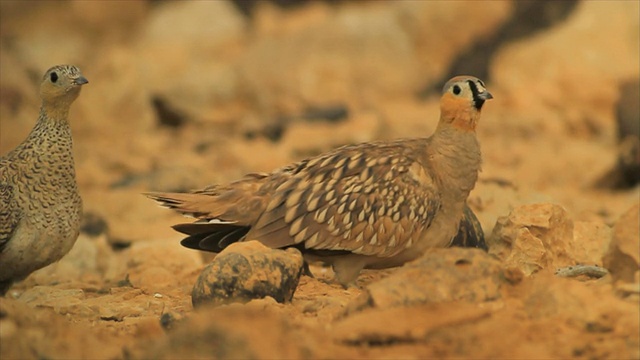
(458, 114)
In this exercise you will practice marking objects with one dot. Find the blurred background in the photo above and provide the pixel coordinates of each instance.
(185, 94)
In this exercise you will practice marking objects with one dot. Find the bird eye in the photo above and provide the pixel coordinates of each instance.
(54, 77)
(456, 89)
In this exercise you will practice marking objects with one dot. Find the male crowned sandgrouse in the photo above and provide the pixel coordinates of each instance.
(40, 207)
(371, 205)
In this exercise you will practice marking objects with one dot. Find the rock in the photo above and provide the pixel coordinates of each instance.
(441, 275)
(571, 98)
(622, 259)
(470, 233)
(533, 237)
(499, 193)
(248, 270)
(590, 241)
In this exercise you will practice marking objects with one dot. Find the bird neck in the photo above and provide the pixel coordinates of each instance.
(51, 133)
(57, 111)
(458, 115)
(455, 154)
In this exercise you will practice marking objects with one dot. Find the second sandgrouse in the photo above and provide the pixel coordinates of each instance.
(370, 205)
(40, 207)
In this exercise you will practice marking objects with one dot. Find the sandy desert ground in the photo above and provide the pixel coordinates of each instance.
(186, 94)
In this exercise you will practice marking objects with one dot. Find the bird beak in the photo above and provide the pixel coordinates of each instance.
(81, 80)
(485, 95)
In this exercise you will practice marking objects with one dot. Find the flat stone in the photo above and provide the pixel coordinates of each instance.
(441, 275)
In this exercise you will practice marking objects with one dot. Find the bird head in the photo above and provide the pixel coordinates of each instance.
(461, 102)
(61, 84)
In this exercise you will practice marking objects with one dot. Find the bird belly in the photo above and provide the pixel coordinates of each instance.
(33, 247)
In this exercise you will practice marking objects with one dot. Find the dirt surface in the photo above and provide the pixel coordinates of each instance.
(185, 94)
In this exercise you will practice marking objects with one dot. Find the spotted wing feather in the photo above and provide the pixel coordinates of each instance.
(370, 199)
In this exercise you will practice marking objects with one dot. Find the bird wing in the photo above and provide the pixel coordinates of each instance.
(370, 199)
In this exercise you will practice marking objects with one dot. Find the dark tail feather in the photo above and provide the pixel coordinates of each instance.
(193, 241)
(211, 237)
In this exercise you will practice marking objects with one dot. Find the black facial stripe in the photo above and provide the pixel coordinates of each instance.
(477, 102)
(474, 89)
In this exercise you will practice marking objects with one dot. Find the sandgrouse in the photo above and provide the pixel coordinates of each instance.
(40, 208)
(371, 205)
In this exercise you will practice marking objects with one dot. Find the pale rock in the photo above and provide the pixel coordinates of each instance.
(494, 196)
(534, 237)
(590, 241)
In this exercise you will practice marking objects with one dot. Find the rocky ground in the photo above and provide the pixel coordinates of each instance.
(185, 94)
